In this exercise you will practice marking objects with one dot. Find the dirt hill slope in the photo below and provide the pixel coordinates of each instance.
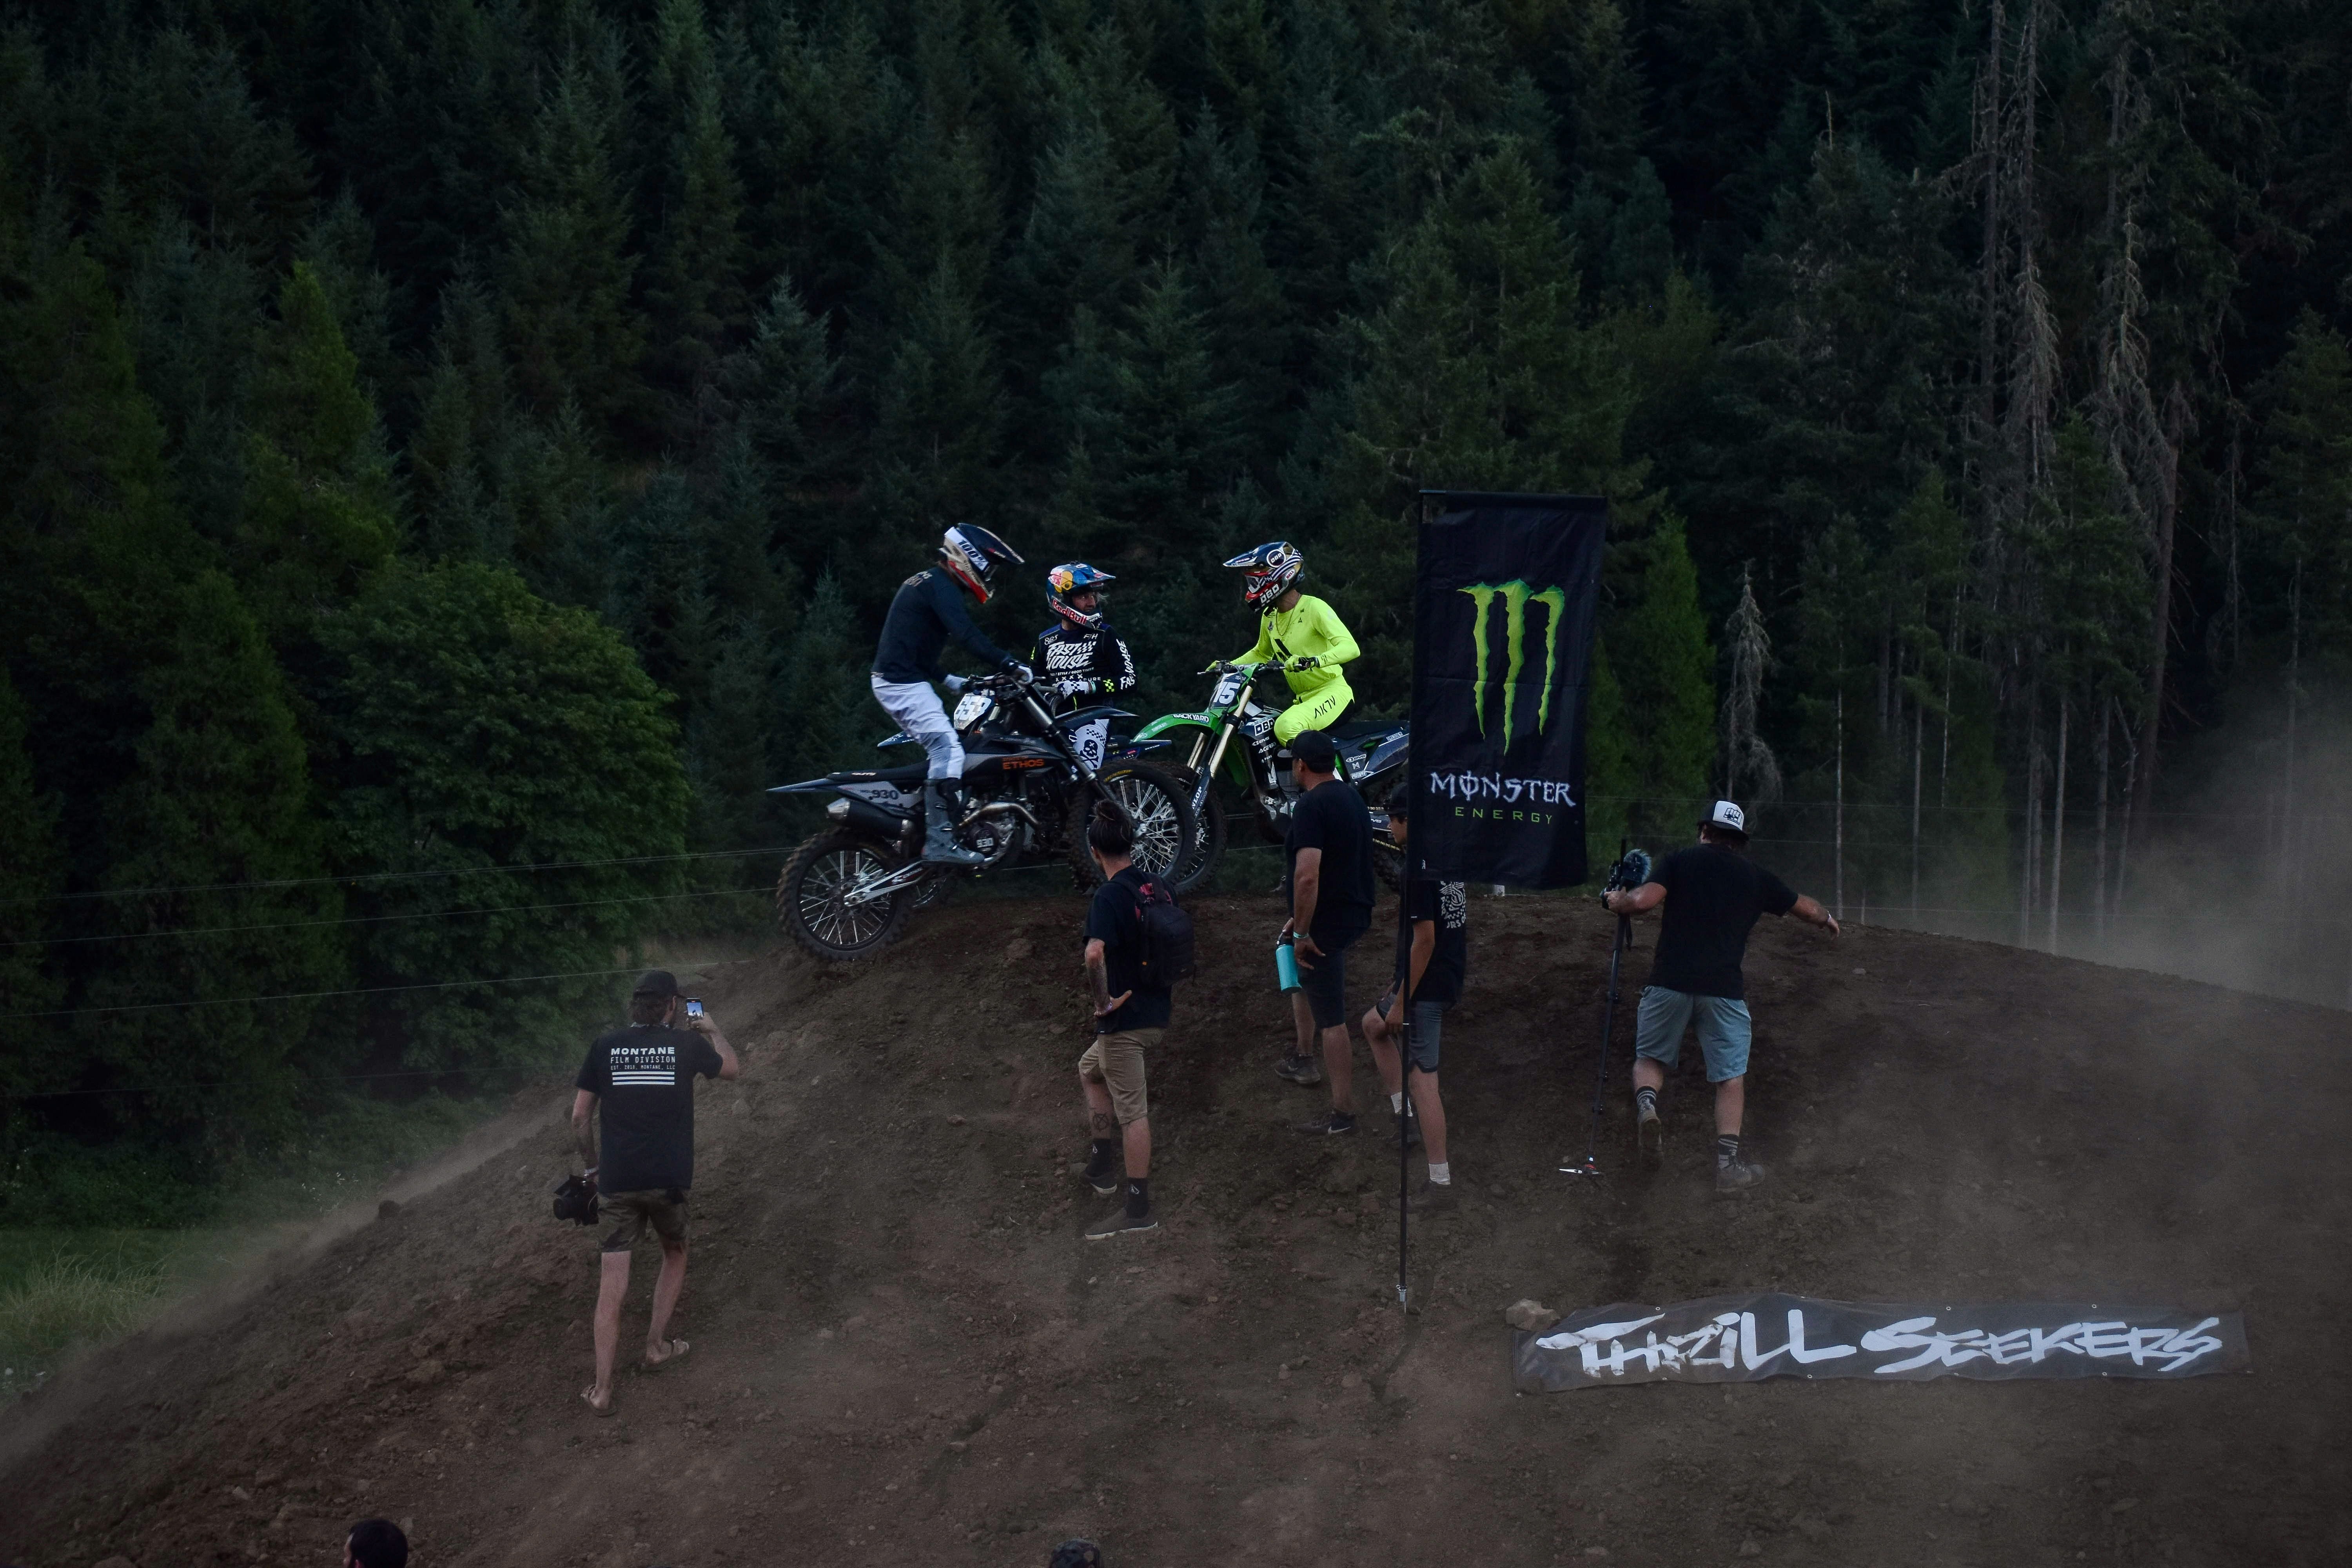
(905, 1352)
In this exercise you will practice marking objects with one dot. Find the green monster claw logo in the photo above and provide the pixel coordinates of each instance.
(1516, 597)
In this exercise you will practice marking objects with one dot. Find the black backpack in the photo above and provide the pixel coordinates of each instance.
(1167, 954)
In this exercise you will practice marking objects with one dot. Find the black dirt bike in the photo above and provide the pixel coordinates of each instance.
(1030, 781)
(1223, 776)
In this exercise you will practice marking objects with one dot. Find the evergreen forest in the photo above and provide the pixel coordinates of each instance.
(455, 454)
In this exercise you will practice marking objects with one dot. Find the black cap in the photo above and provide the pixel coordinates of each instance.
(655, 982)
(1401, 799)
(1076, 1554)
(1315, 749)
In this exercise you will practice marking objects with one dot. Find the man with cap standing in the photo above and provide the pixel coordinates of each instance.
(642, 1077)
(1329, 856)
(1713, 894)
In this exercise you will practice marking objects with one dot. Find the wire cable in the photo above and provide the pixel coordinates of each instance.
(321, 995)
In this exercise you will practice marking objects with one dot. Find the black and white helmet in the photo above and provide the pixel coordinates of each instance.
(972, 555)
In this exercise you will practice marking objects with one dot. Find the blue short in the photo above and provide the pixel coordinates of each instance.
(1724, 1031)
(1428, 1029)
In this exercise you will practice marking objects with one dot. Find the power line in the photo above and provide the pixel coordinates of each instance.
(321, 995)
(375, 920)
(365, 877)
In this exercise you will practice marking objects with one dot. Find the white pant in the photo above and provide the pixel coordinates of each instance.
(915, 708)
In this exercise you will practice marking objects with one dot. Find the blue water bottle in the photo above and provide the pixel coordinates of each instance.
(1285, 962)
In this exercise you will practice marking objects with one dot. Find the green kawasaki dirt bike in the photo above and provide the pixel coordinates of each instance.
(1208, 755)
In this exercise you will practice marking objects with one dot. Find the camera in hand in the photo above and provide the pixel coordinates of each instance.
(575, 1199)
(1632, 869)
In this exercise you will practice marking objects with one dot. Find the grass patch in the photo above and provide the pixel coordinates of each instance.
(62, 1289)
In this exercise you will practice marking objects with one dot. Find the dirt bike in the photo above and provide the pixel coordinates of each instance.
(1223, 775)
(1030, 781)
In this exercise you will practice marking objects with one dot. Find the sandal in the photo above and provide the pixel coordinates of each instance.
(672, 1350)
(588, 1397)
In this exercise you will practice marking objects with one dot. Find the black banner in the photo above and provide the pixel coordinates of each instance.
(1503, 607)
(1746, 1339)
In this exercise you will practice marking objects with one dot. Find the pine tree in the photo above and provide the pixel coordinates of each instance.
(694, 288)
(31, 873)
(1746, 759)
(1474, 373)
(340, 250)
(217, 798)
(941, 411)
(190, 313)
(571, 329)
(1663, 673)
(319, 503)
(782, 387)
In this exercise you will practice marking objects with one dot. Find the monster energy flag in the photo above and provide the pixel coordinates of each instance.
(1502, 645)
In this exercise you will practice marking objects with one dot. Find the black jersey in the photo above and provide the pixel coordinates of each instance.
(1100, 657)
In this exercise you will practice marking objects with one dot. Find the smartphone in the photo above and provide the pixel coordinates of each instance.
(694, 1006)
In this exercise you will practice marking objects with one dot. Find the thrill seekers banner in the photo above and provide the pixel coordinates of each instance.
(1746, 1339)
(1502, 645)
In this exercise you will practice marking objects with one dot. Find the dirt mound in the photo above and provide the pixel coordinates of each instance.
(904, 1351)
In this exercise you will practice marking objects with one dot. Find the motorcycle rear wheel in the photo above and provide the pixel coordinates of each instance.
(1163, 819)
(811, 898)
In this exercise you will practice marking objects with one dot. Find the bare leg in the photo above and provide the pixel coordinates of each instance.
(1136, 1138)
(1100, 1121)
(1731, 1104)
(611, 1286)
(1385, 1060)
(1302, 1015)
(1338, 1065)
(1430, 1110)
(1648, 1074)
(665, 1290)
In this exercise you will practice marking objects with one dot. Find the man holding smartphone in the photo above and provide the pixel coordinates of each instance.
(642, 1077)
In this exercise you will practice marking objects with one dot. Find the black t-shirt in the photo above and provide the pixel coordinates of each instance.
(1444, 905)
(644, 1081)
(1713, 897)
(1331, 817)
(1115, 918)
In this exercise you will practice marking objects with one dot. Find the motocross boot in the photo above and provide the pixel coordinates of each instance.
(940, 848)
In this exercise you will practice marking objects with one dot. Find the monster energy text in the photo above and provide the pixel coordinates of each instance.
(1516, 597)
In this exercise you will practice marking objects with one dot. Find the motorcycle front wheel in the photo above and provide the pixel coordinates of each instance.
(819, 901)
(1208, 835)
(1161, 811)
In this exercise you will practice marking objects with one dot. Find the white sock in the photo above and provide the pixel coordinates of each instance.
(1396, 1103)
(1440, 1173)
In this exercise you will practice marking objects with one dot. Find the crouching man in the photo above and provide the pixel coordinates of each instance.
(642, 1077)
(1713, 895)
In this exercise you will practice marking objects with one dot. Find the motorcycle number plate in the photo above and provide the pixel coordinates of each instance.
(971, 710)
(1228, 687)
(1091, 740)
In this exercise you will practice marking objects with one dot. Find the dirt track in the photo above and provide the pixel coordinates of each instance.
(904, 1352)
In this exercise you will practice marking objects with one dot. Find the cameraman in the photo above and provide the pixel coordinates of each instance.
(1713, 895)
(642, 1077)
(1129, 1017)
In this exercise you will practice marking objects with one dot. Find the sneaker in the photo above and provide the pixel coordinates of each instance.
(1105, 1170)
(1737, 1176)
(1120, 1222)
(1650, 1133)
(1303, 1071)
(1435, 1198)
(1332, 1126)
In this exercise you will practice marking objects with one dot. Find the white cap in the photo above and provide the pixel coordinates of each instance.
(1725, 813)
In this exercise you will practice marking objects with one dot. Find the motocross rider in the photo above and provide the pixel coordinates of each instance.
(1079, 656)
(927, 612)
(1305, 636)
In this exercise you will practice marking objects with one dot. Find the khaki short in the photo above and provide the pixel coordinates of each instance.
(1115, 1061)
(631, 1215)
